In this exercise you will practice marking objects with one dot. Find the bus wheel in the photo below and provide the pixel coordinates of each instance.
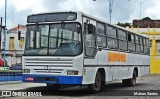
(96, 87)
(53, 86)
(130, 82)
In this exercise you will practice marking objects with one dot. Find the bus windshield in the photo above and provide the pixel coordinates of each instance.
(58, 39)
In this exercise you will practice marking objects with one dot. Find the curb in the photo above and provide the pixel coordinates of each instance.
(10, 82)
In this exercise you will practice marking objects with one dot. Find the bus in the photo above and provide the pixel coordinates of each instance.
(73, 48)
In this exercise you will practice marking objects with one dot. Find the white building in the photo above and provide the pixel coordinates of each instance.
(14, 47)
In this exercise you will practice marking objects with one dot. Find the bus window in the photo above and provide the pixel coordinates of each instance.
(122, 35)
(131, 38)
(137, 39)
(144, 41)
(101, 38)
(101, 41)
(100, 29)
(141, 44)
(131, 43)
(90, 40)
(112, 32)
(122, 40)
(112, 43)
(137, 44)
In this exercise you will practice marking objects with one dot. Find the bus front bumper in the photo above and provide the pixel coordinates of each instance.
(76, 80)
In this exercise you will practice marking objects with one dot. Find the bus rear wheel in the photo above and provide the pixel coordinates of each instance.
(96, 87)
(53, 86)
(130, 82)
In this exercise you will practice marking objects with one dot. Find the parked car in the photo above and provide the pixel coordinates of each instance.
(2, 62)
(16, 67)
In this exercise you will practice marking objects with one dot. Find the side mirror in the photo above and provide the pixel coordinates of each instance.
(19, 35)
(91, 29)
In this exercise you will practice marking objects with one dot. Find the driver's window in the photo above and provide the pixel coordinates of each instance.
(90, 40)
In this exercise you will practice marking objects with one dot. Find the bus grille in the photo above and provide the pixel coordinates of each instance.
(53, 63)
(42, 65)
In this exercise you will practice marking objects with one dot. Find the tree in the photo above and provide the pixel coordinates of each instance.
(126, 24)
(147, 18)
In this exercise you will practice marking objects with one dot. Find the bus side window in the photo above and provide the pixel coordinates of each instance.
(137, 44)
(112, 41)
(90, 40)
(141, 44)
(131, 43)
(122, 36)
(101, 36)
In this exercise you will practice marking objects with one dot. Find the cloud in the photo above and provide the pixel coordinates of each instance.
(123, 10)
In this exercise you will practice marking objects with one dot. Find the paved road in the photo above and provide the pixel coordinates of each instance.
(145, 83)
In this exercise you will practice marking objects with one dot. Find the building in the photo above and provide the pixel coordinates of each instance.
(151, 28)
(14, 47)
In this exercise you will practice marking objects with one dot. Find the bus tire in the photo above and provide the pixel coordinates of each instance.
(96, 87)
(53, 86)
(130, 82)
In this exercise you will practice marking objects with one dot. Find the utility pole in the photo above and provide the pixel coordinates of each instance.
(5, 21)
(110, 9)
(0, 32)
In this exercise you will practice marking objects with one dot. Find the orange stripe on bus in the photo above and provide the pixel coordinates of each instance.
(116, 57)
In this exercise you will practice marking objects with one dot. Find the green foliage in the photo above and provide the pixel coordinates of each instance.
(147, 18)
(126, 24)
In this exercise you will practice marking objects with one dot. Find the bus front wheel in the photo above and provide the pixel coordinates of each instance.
(96, 87)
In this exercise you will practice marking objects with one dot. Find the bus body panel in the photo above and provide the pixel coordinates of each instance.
(53, 68)
(115, 70)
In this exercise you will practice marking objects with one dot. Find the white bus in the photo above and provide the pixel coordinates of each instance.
(73, 48)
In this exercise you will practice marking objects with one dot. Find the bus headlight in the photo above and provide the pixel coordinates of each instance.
(26, 70)
(72, 72)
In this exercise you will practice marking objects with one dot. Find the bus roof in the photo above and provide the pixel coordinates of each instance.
(102, 21)
(94, 18)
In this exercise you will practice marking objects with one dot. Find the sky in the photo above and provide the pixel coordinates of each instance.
(123, 10)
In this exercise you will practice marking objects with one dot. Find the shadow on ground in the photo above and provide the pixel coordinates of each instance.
(111, 89)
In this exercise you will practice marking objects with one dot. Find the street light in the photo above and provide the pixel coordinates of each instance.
(110, 8)
(140, 8)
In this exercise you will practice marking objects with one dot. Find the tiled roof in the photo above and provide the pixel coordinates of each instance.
(16, 28)
(146, 23)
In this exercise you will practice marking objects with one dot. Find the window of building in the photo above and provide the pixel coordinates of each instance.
(11, 43)
(21, 42)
